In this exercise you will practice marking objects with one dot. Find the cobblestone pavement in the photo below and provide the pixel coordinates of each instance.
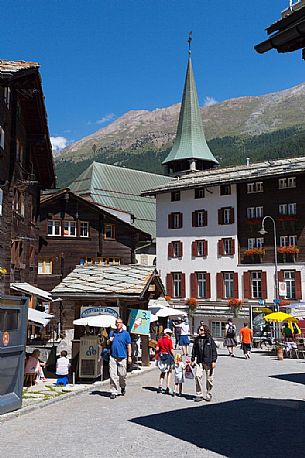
(258, 410)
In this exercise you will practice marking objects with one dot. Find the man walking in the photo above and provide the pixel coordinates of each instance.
(120, 353)
(246, 337)
(204, 354)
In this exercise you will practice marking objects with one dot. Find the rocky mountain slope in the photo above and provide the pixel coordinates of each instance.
(137, 132)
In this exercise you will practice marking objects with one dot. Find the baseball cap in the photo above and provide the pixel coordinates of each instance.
(168, 331)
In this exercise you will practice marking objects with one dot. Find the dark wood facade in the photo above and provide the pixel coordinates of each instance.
(82, 235)
(26, 167)
(289, 225)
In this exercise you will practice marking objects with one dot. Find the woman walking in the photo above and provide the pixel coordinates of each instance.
(166, 358)
(230, 337)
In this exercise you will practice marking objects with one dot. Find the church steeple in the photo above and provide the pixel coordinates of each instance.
(190, 151)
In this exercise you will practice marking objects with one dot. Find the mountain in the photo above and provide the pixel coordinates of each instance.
(140, 139)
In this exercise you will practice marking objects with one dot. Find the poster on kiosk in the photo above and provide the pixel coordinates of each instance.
(139, 322)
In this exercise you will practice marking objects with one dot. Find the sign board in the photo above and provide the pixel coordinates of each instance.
(139, 322)
(282, 288)
(261, 302)
(276, 301)
(98, 310)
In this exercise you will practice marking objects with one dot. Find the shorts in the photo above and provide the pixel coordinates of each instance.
(184, 340)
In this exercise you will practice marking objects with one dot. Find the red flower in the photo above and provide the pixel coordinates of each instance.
(254, 251)
(288, 249)
(234, 302)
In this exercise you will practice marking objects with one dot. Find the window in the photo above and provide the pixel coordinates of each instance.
(218, 329)
(175, 220)
(255, 212)
(1, 137)
(255, 243)
(289, 278)
(84, 229)
(175, 196)
(69, 229)
(109, 231)
(9, 320)
(18, 202)
(286, 240)
(287, 182)
(201, 248)
(7, 96)
(201, 284)
(54, 228)
(177, 249)
(177, 284)
(225, 190)
(255, 187)
(200, 218)
(228, 279)
(288, 209)
(44, 266)
(199, 193)
(17, 254)
(227, 246)
(226, 216)
(256, 285)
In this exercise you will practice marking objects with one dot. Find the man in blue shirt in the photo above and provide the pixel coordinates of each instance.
(120, 353)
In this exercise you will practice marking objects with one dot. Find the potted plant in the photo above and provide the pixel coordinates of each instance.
(168, 298)
(235, 305)
(289, 251)
(255, 253)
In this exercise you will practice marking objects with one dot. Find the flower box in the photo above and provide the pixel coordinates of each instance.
(286, 218)
(254, 220)
(290, 249)
(255, 252)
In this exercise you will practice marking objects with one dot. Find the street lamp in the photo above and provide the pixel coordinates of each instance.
(262, 231)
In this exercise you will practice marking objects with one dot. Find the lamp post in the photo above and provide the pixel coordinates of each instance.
(262, 231)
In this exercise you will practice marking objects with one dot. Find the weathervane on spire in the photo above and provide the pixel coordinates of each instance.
(190, 41)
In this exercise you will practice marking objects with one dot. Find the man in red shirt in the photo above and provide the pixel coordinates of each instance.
(246, 337)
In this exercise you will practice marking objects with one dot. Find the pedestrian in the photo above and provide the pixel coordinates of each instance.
(177, 330)
(120, 354)
(179, 375)
(62, 369)
(184, 340)
(165, 357)
(246, 337)
(230, 337)
(204, 356)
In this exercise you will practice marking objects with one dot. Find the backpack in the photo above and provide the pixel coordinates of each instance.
(231, 331)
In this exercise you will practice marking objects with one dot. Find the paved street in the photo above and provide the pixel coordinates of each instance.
(258, 410)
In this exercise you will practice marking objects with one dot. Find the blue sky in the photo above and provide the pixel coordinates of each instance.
(101, 58)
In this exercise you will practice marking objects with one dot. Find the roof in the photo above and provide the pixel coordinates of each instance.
(48, 197)
(288, 33)
(237, 174)
(121, 188)
(39, 317)
(15, 66)
(190, 142)
(26, 288)
(107, 281)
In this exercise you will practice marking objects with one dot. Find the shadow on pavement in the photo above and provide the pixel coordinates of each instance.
(296, 378)
(104, 394)
(249, 427)
(189, 397)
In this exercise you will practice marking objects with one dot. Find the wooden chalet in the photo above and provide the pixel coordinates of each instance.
(26, 167)
(74, 230)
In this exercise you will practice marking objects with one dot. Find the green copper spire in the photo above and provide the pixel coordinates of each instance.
(190, 143)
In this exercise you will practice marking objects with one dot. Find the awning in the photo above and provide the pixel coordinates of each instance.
(97, 321)
(39, 317)
(26, 288)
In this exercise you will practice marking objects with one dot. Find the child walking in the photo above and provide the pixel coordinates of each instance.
(179, 375)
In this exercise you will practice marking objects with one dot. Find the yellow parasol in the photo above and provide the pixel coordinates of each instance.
(278, 317)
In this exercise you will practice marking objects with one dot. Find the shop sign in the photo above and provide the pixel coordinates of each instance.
(98, 310)
(282, 288)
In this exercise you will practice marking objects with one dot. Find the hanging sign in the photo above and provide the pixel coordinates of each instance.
(98, 310)
(282, 288)
(139, 322)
